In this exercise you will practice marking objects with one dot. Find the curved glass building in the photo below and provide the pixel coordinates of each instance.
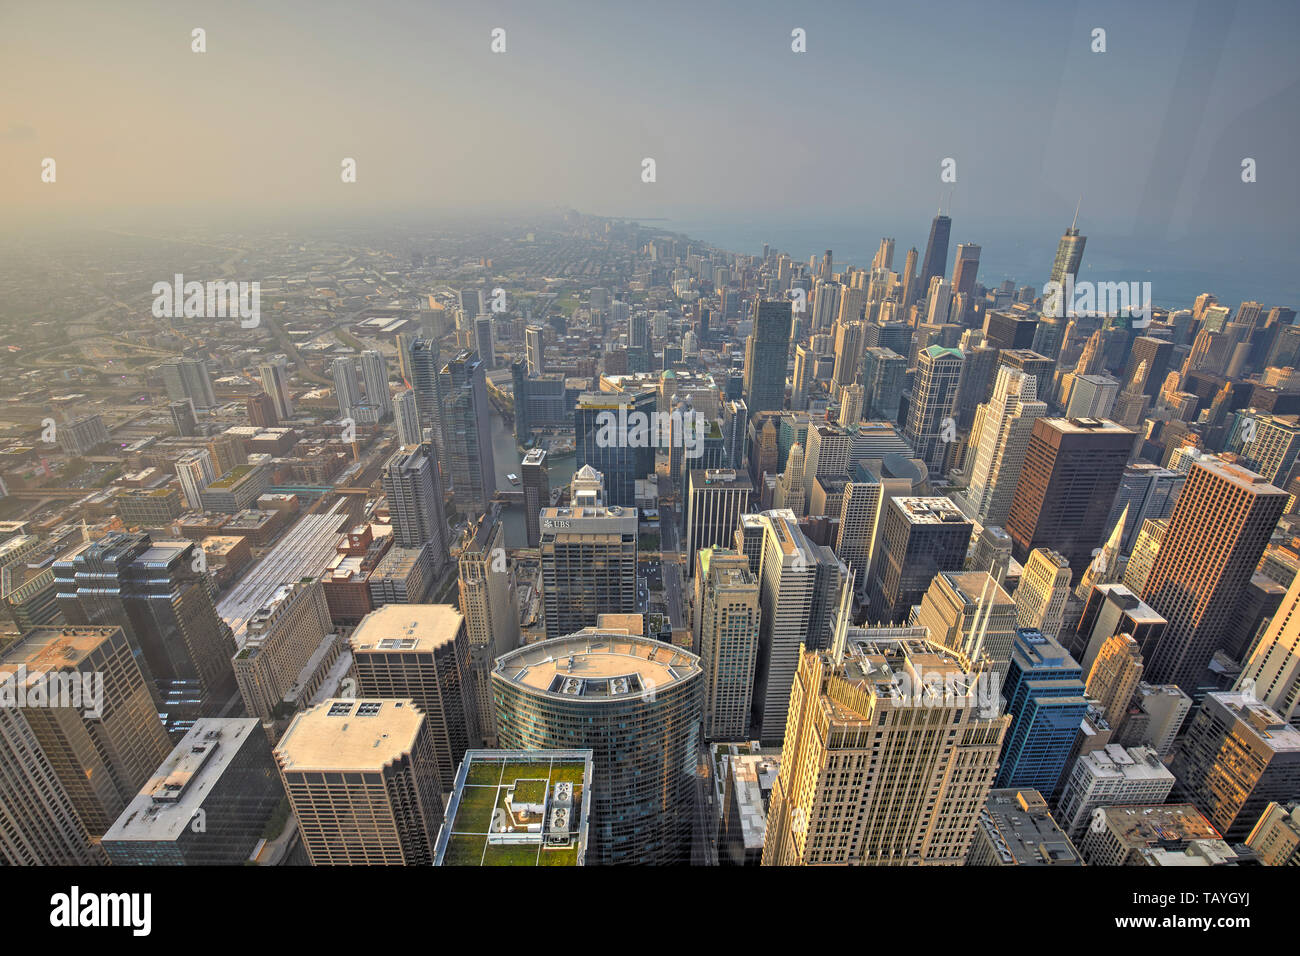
(636, 703)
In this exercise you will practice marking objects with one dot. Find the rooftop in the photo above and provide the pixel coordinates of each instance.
(407, 627)
(347, 734)
(595, 663)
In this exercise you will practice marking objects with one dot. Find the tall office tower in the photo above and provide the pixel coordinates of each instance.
(467, 433)
(638, 330)
(884, 374)
(848, 352)
(1106, 564)
(195, 472)
(1147, 491)
(934, 399)
(282, 638)
(826, 305)
(1268, 445)
(1044, 692)
(919, 537)
(827, 453)
(1156, 717)
(1275, 839)
(490, 606)
(1237, 755)
(588, 557)
(765, 356)
(208, 804)
(875, 768)
(790, 492)
(184, 420)
(155, 593)
(483, 341)
(374, 372)
(362, 778)
(787, 584)
(935, 262)
(859, 516)
(1043, 591)
(938, 302)
(1069, 253)
(1143, 557)
(188, 378)
(911, 282)
(1016, 829)
(1115, 675)
(414, 489)
(735, 433)
(1114, 776)
(611, 435)
(1000, 440)
(884, 258)
(1218, 531)
(852, 405)
(90, 710)
(535, 349)
(537, 492)
(637, 704)
(275, 382)
(1156, 354)
(261, 411)
(1071, 472)
(726, 622)
(715, 500)
(1272, 671)
(39, 823)
(965, 266)
(853, 302)
(804, 361)
(423, 366)
(1112, 609)
(347, 388)
(406, 411)
(422, 652)
(1092, 396)
(969, 612)
(992, 553)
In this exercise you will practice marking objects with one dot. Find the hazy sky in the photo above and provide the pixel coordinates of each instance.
(1151, 132)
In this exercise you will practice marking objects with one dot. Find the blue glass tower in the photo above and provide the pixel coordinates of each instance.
(1044, 696)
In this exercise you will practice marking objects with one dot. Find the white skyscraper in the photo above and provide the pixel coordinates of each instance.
(374, 372)
(998, 443)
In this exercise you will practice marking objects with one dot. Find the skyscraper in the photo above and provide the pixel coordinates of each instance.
(374, 372)
(935, 262)
(347, 388)
(491, 609)
(888, 756)
(934, 399)
(275, 382)
(1044, 692)
(1114, 676)
(1272, 671)
(787, 580)
(95, 719)
(363, 782)
(1069, 254)
(188, 378)
(424, 365)
(588, 556)
(1071, 472)
(998, 444)
(1214, 540)
(156, 593)
(1043, 592)
(726, 621)
(636, 703)
(422, 652)
(919, 537)
(1237, 755)
(765, 356)
(467, 433)
(406, 411)
(965, 266)
(414, 489)
(612, 435)
(715, 500)
(969, 612)
(536, 483)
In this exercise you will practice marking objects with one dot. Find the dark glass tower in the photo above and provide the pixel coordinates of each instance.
(765, 354)
(936, 251)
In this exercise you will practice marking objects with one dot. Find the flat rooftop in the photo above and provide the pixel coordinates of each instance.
(348, 734)
(46, 649)
(595, 663)
(1022, 831)
(407, 627)
(165, 806)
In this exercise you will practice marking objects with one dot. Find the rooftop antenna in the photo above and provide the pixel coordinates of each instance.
(1075, 225)
(842, 621)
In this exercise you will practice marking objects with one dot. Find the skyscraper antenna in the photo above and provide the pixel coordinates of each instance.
(1075, 225)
